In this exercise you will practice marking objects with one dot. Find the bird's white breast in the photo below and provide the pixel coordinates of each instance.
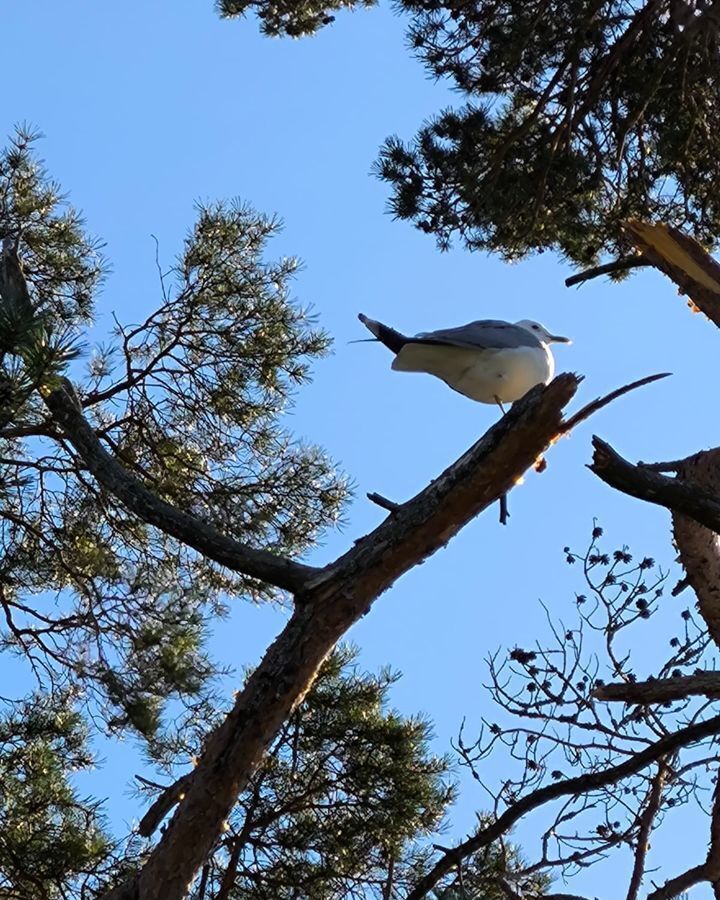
(482, 375)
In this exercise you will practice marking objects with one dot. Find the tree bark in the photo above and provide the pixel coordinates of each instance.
(334, 599)
(698, 546)
(694, 500)
(706, 684)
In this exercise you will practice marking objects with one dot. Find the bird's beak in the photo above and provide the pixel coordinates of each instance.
(558, 339)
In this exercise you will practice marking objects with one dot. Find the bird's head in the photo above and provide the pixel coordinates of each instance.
(541, 332)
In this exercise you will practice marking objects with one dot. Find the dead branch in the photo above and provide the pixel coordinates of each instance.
(580, 785)
(683, 260)
(379, 500)
(694, 499)
(660, 690)
(337, 597)
(590, 408)
(328, 600)
(645, 484)
(707, 871)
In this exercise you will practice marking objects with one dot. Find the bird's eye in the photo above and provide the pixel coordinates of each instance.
(535, 327)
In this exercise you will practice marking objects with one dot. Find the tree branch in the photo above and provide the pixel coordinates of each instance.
(379, 500)
(624, 264)
(647, 818)
(64, 405)
(580, 785)
(694, 499)
(643, 483)
(661, 689)
(707, 871)
(683, 260)
(591, 408)
(336, 598)
(163, 804)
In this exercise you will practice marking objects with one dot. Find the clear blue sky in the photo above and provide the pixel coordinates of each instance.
(147, 107)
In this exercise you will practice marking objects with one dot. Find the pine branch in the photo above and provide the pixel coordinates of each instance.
(202, 536)
(623, 264)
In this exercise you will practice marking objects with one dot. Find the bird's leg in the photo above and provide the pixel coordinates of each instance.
(499, 403)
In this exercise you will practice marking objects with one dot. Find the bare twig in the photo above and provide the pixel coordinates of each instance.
(601, 402)
(708, 871)
(647, 819)
(580, 785)
(379, 500)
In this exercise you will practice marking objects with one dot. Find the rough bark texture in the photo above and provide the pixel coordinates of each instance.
(694, 499)
(706, 684)
(698, 546)
(682, 259)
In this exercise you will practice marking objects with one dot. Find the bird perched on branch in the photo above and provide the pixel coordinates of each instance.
(489, 361)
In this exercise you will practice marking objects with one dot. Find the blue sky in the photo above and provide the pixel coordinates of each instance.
(148, 107)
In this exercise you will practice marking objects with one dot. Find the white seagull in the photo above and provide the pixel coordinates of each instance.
(489, 361)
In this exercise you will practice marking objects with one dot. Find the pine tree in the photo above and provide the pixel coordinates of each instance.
(116, 563)
(577, 116)
(293, 18)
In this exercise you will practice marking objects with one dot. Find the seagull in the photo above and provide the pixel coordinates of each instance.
(488, 361)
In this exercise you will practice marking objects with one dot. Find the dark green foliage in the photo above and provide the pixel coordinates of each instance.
(580, 115)
(48, 836)
(345, 800)
(190, 401)
(290, 17)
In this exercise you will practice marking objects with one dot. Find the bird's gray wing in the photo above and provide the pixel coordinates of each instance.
(485, 334)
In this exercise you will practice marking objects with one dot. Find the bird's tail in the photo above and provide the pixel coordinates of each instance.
(392, 339)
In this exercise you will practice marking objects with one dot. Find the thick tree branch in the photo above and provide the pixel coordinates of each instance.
(694, 499)
(332, 602)
(580, 785)
(683, 260)
(337, 597)
(660, 690)
(698, 546)
(328, 602)
(196, 533)
(643, 483)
